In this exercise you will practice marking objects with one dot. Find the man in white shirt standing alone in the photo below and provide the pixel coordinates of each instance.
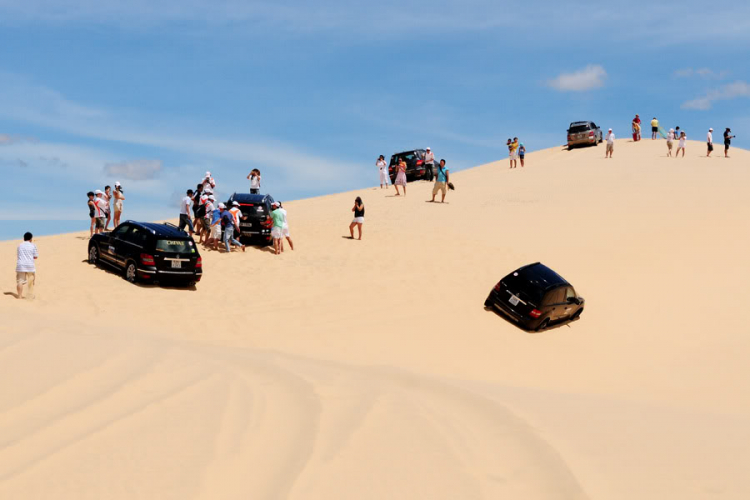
(25, 266)
(610, 144)
(710, 142)
(429, 162)
(185, 205)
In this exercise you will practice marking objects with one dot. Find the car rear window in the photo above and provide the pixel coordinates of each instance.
(579, 128)
(526, 284)
(175, 246)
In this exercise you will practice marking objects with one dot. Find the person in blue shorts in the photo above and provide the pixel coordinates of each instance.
(521, 152)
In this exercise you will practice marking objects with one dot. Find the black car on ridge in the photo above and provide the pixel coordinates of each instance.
(256, 223)
(535, 297)
(148, 252)
(415, 166)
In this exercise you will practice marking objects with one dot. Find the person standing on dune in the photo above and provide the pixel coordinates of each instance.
(285, 230)
(429, 162)
(359, 217)
(101, 211)
(709, 142)
(510, 152)
(636, 128)
(383, 167)
(108, 198)
(185, 205)
(92, 212)
(441, 182)
(521, 153)
(209, 184)
(26, 266)
(681, 145)
(654, 128)
(400, 176)
(670, 141)
(727, 141)
(254, 177)
(278, 227)
(610, 144)
(119, 198)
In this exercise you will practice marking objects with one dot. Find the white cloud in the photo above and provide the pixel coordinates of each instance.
(588, 78)
(705, 73)
(724, 93)
(136, 170)
(6, 139)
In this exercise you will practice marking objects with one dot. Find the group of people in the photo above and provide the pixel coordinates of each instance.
(100, 205)
(516, 151)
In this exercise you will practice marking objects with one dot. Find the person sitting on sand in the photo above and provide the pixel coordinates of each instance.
(285, 230)
(727, 141)
(119, 198)
(383, 167)
(681, 145)
(278, 226)
(400, 176)
(521, 153)
(610, 144)
(254, 177)
(359, 217)
(670, 141)
(92, 212)
(26, 266)
(441, 182)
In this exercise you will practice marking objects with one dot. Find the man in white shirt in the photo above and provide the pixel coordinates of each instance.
(710, 142)
(237, 214)
(185, 205)
(208, 184)
(25, 266)
(101, 206)
(429, 161)
(610, 144)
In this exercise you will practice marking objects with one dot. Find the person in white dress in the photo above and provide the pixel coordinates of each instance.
(681, 145)
(383, 167)
(670, 141)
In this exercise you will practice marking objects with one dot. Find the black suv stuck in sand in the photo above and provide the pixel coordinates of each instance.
(256, 223)
(415, 167)
(535, 297)
(149, 252)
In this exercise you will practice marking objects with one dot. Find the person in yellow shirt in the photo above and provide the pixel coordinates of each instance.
(514, 153)
(654, 128)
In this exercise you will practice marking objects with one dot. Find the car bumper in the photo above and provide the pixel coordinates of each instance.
(582, 142)
(151, 273)
(524, 321)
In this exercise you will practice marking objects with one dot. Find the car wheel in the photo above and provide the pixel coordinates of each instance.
(544, 324)
(93, 254)
(488, 303)
(131, 272)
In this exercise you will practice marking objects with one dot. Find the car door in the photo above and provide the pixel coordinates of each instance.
(111, 246)
(553, 302)
(130, 246)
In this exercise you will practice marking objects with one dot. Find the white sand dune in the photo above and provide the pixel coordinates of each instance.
(369, 369)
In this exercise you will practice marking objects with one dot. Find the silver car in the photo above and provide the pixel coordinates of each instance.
(584, 134)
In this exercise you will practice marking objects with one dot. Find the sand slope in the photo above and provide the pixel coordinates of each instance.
(369, 369)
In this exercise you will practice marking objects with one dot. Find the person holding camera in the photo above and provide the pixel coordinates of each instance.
(727, 141)
(119, 198)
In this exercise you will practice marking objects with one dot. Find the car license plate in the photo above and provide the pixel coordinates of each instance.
(176, 264)
(513, 300)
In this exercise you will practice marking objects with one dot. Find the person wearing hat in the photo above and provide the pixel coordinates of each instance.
(636, 128)
(119, 198)
(727, 141)
(429, 162)
(610, 144)
(101, 211)
(228, 224)
(521, 153)
(670, 141)
(214, 236)
(208, 183)
(709, 142)
(277, 230)
(237, 214)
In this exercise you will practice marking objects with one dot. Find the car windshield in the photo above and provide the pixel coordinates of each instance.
(175, 246)
(579, 128)
(526, 284)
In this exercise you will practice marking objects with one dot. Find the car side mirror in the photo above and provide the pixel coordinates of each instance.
(574, 300)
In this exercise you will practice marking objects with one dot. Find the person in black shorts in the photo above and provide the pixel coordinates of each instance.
(727, 141)
(92, 211)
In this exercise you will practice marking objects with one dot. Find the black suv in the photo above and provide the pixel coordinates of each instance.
(256, 227)
(148, 252)
(536, 297)
(415, 167)
(583, 134)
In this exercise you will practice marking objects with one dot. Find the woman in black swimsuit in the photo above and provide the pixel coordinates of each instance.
(359, 217)
(92, 211)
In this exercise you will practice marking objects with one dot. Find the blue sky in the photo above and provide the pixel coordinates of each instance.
(153, 94)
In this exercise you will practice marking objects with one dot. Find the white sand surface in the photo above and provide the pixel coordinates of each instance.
(370, 369)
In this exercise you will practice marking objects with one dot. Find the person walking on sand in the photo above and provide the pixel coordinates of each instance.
(727, 141)
(92, 212)
(383, 168)
(208, 209)
(636, 128)
(359, 217)
(119, 198)
(681, 145)
(429, 162)
(441, 182)
(254, 177)
(278, 226)
(709, 142)
(610, 144)
(214, 236)
(237, 214)
(228, 224)
(26, 266)
(185, 205)
(670, 141)
(101, 211)
(521, 153)
(107, 196)
(400, 176)
(654, 128)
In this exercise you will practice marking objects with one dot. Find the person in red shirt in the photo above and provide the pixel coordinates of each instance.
(636, 128)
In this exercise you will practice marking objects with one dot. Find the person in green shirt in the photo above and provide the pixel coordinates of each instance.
(278, 225)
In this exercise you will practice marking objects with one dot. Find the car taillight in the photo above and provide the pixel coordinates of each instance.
(199, 263)
(570, 137)
(497, 287)
(147, 260)
(591, 134)
(419, 162)
(535, 313)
